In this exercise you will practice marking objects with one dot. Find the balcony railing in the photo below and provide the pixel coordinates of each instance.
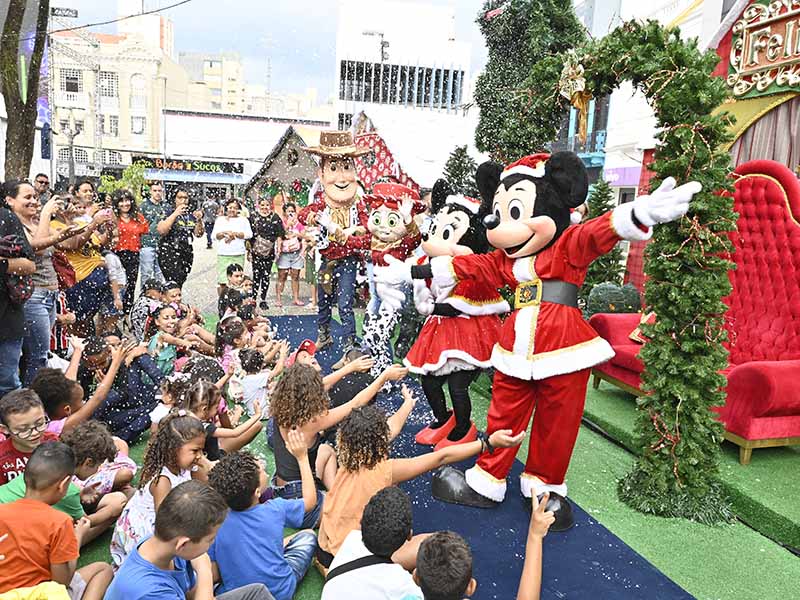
(72, 99)
(595, 142)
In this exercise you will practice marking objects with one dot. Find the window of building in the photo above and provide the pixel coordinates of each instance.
(81, 155)
(109, 84)
(71, 80)
(112, 126)
(63, 154)
(138, 91)
(63, 125)
(138, 125)
(345, 121)
(113, 157)
(78, 125)
(427, 89)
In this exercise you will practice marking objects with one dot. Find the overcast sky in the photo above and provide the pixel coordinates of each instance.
(303, 34)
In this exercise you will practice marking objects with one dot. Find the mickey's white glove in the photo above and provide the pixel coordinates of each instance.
(423, 298)
(406, 208)
(394, 274)
(666, 204)
(391, 297)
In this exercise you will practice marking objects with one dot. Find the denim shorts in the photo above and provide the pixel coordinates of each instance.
(294, 490)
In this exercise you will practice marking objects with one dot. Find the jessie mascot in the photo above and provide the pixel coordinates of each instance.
(545, 350)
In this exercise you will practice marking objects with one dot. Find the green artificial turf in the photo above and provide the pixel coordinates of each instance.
(727, 562)
(764, 493)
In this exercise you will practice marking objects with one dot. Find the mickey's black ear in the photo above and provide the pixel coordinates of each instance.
(569, 177)
(441, 190)
(488, 178)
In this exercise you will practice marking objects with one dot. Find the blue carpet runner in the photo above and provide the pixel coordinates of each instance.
(588, 561)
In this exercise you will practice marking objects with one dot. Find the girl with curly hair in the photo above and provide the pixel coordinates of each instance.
(363, 442)
(174, 455)
(301, 402)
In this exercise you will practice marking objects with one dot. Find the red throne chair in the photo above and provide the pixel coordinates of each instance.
(762, 408)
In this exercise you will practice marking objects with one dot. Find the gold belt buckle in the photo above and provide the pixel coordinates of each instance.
(528, 293)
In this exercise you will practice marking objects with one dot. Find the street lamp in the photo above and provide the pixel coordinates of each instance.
(72, 130)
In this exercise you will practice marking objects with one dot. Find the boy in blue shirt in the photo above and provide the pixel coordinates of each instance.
(173, 562)
(249, 547)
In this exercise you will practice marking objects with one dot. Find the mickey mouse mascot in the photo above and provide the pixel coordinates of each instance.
(545, 350)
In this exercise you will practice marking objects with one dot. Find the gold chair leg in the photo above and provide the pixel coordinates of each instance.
(596, 382)
(744, 455)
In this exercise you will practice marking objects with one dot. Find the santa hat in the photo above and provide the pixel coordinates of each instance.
(391, 195)
(532, 166)
(471, 204)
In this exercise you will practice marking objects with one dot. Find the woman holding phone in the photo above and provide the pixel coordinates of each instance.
(40, 308)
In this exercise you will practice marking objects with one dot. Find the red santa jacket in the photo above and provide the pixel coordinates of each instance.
(339, 247)
(546, 339)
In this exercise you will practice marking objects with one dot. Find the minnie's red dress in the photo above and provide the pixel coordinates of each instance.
(447, 344)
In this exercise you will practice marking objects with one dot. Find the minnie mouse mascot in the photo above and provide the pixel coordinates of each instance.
(545, 351)
(456, 341)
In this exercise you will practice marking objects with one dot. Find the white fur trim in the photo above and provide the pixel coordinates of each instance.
(478, 309)
(524, 269)
(575, 217)
(548, 364)
(528, 485)
(622, 222)
(486, 485)
(446, 356)
(525, 330)
(523, 170)
(470, 204)
(444, 276)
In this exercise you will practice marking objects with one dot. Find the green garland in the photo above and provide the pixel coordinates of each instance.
(687, 261)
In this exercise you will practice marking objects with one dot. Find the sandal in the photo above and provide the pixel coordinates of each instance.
(299, 303)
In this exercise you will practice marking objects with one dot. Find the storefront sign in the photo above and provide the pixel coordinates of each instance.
(765, 49)
(202, 166)
(622, 176)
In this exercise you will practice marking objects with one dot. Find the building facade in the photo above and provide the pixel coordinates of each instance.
(383, 70)
(109, 91)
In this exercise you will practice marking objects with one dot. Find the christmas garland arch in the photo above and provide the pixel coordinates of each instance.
(686, 263)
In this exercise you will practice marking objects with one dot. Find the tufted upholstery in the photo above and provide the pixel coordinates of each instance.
(763, 320)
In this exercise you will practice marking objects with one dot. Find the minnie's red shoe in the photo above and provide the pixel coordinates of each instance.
(431, 437)
(470, 436)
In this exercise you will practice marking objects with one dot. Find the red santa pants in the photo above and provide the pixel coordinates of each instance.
(558, 401)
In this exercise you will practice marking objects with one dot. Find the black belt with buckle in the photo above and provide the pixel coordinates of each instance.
(533, 293)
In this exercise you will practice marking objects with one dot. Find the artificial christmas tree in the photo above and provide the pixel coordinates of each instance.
(459, 171)
(519, 34)
(608, 268)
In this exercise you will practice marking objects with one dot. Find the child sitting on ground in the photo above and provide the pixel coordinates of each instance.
(300, 402)
(152, 296)
(363, 443)
(233, 336)
(63, 397)
(255, 384)
(250, 547)
(174, 563)
(172, 457)
(164, 343)
(43, 542)
(190, 319)
(173, 390)
(203, 401)
(24, 422)
(235, 274)
(444, 567)
(385, 526)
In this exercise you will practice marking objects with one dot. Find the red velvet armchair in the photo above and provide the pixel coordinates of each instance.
(762, 408)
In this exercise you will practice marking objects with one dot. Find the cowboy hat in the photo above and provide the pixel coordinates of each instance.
(337, 143)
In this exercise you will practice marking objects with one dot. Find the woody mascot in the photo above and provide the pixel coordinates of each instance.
(546, 349)
(343, 238)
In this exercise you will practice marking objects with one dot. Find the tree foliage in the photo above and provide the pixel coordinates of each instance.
(687, 262)
(21, 110)
(459, 171)
(519, 34)
(608, 268)
(132, 178)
